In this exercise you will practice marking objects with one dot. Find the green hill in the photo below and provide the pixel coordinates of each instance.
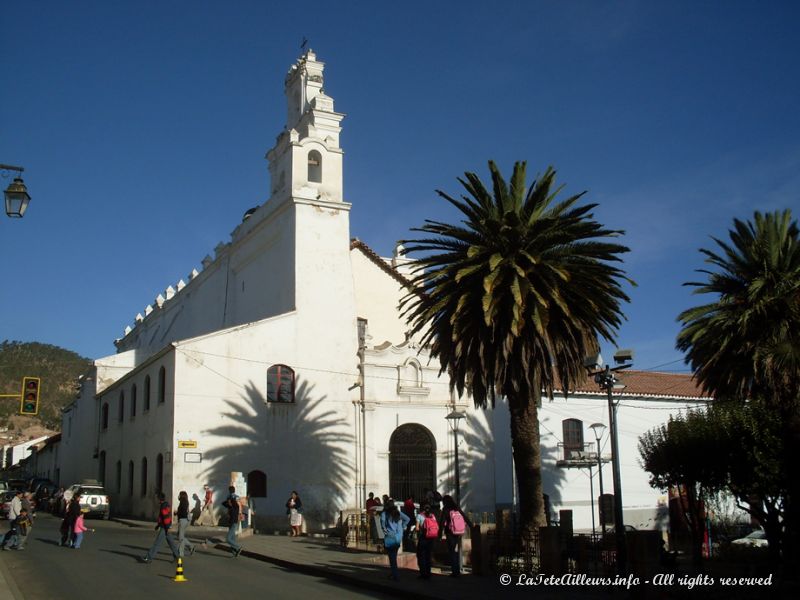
(58, 369)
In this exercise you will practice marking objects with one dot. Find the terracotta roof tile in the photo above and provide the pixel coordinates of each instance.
(649, 383)
(382, 264)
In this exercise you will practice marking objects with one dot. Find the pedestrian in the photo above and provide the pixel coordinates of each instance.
(206, 517)
(410, 510)
(372, 503)
(71, 512)
(183, 524)
(17, 531)
(162, 526)
(12, 536)
(234, 514)
(453, 523)
(395, 524)
(294, 508)
(428, 529)
(79, 529)
(29, 506)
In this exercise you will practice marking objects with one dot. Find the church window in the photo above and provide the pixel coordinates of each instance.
(314, 167)
(573, 437)
(121, 414)
(160, 473)
(133, 401)
(101, 466)
(147, 393)
(280, 384)
(104, 416)
(119, 477)
(162, 385)
(144, 477)
(130, 478)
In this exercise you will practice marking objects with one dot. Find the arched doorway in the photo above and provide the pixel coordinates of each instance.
(412, 461)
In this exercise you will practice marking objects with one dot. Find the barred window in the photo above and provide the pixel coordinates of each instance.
(280, 384)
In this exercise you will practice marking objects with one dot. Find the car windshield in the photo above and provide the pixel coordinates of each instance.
(758, 535)
(92, 491)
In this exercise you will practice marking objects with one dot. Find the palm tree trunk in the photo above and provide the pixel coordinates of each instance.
(527, 464)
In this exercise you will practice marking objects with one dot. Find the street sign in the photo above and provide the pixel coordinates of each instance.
(187, 444)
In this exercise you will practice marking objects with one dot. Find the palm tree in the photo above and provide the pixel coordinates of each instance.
(512, 300)
(746, 343)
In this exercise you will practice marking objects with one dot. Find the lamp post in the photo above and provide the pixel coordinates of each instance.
(16, 194)
(606, 380)
(599, 429)
(454, 418)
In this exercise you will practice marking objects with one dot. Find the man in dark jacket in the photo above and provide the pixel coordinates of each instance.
(232, 504)
(71, 514)
(162, 526)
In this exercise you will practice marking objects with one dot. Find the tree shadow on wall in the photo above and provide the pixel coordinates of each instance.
(301, 446)
(476, 462)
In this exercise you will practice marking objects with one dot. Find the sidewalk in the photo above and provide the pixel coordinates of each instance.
(324, 557)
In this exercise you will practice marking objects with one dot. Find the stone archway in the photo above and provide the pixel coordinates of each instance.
(412, 462)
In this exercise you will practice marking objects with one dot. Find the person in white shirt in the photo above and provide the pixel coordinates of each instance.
(11, 538)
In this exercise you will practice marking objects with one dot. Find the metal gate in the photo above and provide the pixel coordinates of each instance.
(412, 462)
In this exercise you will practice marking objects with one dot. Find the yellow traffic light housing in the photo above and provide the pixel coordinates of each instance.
(29, 403)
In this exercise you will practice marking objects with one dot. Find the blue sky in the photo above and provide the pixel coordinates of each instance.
(143, 126)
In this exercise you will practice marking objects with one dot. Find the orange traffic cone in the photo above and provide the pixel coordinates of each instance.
(179, 571)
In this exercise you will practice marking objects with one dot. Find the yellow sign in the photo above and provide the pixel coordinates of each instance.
(187, 444)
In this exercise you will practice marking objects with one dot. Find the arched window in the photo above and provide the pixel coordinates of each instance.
(121, 414)
(144, 477)
(160, 473)
(162, 385)
(130, 478)
(133, 401)
(257, 484)
(280, 384)
(104, 416)
(147, 393)
(119, 477)
(314, 167)
(573, 438)
(101, 467)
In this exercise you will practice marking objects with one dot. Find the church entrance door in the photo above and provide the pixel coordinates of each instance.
(412, 462)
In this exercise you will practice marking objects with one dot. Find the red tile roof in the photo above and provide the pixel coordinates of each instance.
(652, 384)
(382, 264)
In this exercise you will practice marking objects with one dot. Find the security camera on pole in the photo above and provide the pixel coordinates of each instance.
(605, 378)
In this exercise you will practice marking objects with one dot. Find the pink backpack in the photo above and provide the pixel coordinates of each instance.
(431, 528)
(456, 526)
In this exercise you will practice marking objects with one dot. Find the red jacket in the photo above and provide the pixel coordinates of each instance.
(165, 515)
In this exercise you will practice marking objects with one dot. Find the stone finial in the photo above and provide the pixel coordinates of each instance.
(207, 261)
(180, 285)
(194, 273)
(128, 329)
(159, 301)
(147, 310)
(169, 293)
(139, 317)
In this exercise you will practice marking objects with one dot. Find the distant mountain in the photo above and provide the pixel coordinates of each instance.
(58, 369)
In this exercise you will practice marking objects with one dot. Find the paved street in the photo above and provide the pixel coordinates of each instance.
(109, 560)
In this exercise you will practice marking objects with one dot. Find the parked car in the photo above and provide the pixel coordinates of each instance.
(5, 502)
(756, 539)
(94, 499)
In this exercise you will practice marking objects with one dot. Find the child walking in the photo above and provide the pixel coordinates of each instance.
(79, 530)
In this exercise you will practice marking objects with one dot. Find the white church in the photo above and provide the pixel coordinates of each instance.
(284, 365)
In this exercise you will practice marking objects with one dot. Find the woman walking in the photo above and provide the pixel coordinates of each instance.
(394, 526)
(294, 508)
(454, 523)
(183, 524)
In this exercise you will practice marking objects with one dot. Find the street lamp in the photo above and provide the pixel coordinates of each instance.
(16, 194)
(607, 381)
(454, 419)
(599, 429)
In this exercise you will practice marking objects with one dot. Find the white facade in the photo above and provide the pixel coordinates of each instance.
(187, 401)
(14, 453)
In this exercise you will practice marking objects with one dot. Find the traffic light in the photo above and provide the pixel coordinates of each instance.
(29, 404)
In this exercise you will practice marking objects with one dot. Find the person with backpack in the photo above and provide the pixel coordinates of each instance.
(394, 525)
(162, 526)
(453, 523)
(428, 528)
